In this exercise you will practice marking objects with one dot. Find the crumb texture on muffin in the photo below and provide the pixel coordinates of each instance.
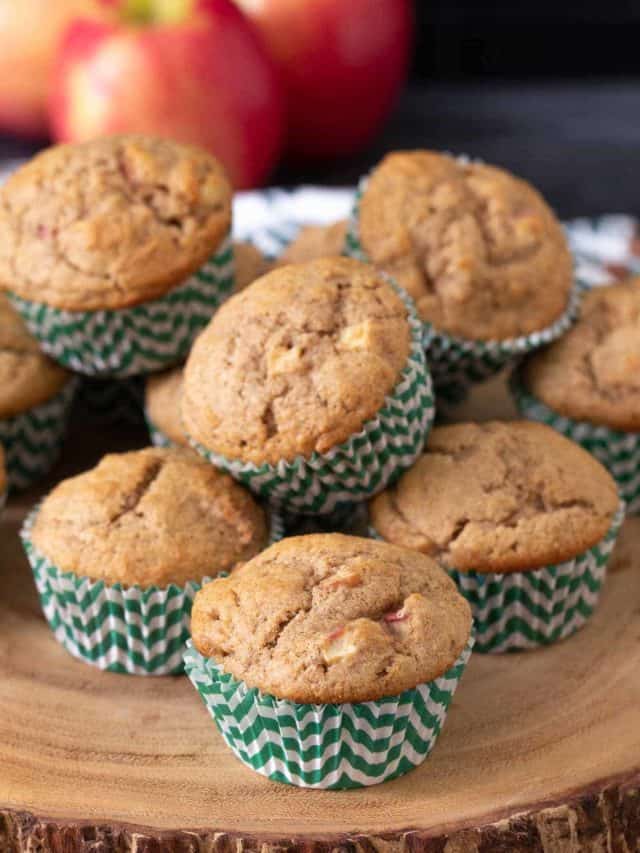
(110, 223)
(149, 517)
(315, 241)
(163, 395)
(27, 376)
(296, 363)
(498, 497)
(479, 250)
(593, 372)
(331, 618)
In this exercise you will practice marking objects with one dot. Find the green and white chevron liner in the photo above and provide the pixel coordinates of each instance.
(136, 340)
(32, 440)
(112, 401)
(524, 610)
(366, 462)
(120, 629)
(619, 452)
(158, 438)
(325, 746)
(457, 363)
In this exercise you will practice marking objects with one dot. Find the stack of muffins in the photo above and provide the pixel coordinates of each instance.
(326, 660)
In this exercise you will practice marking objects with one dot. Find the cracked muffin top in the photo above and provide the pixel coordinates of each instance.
(328, 618)
(110, 223)
(498, 497)
(150, 517)
(315, 241)
(296, 363)
(163, 395)
(479, 250)
(27, 376)
(593, 372)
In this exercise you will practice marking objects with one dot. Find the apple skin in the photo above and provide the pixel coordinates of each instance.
(342, 61)
(29, 35)
(206, 81)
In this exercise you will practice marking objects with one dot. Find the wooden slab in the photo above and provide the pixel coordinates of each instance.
(541, 751)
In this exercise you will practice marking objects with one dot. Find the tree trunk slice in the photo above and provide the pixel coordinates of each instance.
(540, 752)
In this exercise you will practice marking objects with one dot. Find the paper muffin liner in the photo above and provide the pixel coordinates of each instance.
(112, 401)
(136, 340)
(134, 630)
(32, 440)
(366, 462)
(457, 363)
(325, 746)
(517, 611)
(619, 452)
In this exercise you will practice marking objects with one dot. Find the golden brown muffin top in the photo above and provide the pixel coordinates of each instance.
(329, 618)
(479, 250)
(296, 363)
(250, 264)
(110, 223)
(150, 517)
(315, 241)
(27, 376)
(593, 372)
(163, 395)
(498, 497)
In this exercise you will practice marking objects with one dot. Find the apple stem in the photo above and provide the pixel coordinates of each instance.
(143, 12)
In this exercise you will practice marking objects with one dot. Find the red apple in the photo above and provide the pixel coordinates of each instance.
(192, 70)
(29, 34)
(343, 62)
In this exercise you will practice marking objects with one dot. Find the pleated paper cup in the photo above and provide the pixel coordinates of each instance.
(32, 440)
(134, 630)
(325, 746)
(365, 463)
(619, 452)
(517, 611)
(458, 363)
(137, 340)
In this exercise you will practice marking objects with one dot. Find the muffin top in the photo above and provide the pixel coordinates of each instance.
(250, 264)
(163, 394)
(478, 249)
(150, 517)
(3, 473)
(315, 241)
(27, 376)
(296, 363)
(593, 372)
(330, 618)
(110, 223)
(498, 497)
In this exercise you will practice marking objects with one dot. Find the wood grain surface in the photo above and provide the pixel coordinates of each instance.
(540, 752)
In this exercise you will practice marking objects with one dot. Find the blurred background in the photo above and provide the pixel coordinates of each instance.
(291, 91)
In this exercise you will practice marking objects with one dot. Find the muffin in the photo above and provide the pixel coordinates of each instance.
(162, 400)
(35, 397)
(250, 264)
(119, 551)
(311, 386)
(315, 241)
(163, 391)
(587, 385)
(333, 636)
(523, 519)
(481, 253)
(116, 251)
